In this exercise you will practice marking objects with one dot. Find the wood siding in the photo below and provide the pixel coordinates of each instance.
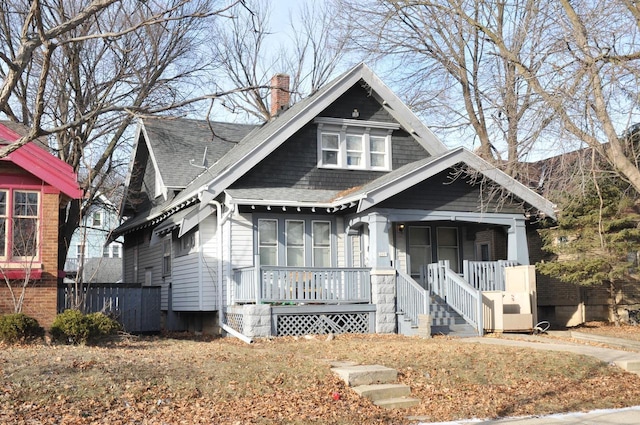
(294, 163)
(441, 193)
(195, 275)
(242, 241)
(149, 259)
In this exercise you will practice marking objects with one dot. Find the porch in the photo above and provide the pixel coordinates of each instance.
(274, 300)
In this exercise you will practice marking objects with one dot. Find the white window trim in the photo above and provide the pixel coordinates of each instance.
(260, 245)
(344, 127)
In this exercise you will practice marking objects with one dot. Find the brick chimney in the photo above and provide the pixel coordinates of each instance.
(279, 93)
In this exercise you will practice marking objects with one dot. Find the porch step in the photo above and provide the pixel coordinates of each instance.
(375, 382)
(459, 331)
(397, 403)
(366, 374)
(445, 321)
(382, 391)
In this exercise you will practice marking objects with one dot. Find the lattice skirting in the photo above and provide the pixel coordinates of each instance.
(235, 321)
(311, 324)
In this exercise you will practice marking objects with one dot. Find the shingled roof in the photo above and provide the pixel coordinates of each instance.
(179, 145)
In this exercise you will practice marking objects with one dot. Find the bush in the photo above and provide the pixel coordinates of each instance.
(73, 327)
(19, 327)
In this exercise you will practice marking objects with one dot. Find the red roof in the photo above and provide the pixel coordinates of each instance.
(41, 164)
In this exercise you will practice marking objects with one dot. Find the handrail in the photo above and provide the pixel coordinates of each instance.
(458, 294)
(411, 298)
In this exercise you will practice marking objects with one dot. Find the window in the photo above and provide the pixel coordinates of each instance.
(188, 242)
(115, 250)
(79, 250)
(354, 144)
(294, 234)
(321, 240)
(105, 251)
(268, 242)
(25, 224)
(96, 218)
(19, 211)
(300, 242)
(330, 143)
(166, 257)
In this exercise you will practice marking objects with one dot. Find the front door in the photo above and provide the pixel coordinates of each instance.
(419, 249)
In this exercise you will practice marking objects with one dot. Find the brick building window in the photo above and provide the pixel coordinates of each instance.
(19, 224)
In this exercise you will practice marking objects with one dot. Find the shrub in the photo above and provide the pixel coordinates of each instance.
(73, 327)
(19, 327)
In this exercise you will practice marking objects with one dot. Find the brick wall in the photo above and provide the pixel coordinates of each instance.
(41, 295)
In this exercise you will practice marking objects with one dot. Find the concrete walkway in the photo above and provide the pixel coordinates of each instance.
(627, 360)
(623, 359)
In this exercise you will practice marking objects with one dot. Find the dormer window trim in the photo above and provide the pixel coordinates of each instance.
(351, 144)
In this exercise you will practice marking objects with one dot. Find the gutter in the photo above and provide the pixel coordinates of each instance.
(220, 220)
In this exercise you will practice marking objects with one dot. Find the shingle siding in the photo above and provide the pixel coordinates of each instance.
(440, 193)
(294, 163)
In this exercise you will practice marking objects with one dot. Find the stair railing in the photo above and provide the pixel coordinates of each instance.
(456, 292)
(411, 298)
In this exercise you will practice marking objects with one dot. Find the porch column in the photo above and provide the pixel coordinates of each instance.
(379, 257)
(383, 277)
(517, 248)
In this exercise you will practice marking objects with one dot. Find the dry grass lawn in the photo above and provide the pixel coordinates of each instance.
(287, 381)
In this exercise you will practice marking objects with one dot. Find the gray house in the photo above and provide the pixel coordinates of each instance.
(341, 214)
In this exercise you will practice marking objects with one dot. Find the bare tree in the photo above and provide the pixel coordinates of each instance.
(449, 72)
(589, 72)
(79, 71)
(250, 53)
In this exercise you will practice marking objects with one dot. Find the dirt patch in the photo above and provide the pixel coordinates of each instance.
(288, 381)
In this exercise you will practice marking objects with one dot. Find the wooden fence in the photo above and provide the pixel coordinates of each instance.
(135, 307)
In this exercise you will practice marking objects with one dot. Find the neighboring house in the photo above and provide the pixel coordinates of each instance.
(34, 187)
(101, 261)
(328, 218)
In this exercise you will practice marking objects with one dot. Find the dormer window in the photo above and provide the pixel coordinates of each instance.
(354, 144)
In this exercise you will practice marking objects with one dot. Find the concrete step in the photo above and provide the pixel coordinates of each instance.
(382, 391)
(629, 365)
(459, 330)
(397, 403)
(366, 374)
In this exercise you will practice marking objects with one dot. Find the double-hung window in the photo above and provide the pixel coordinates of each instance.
(294, 234)
(296, 242)
(354, 144)
(268, 242)
(321, 237)
(19, 212)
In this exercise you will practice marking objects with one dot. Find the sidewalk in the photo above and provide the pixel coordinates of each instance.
(626, 416)
(627, 360)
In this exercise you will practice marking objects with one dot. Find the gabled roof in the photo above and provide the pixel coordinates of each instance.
(264, 140)
(37, 161)
(389, 185)
(179, 147)
(416, 172)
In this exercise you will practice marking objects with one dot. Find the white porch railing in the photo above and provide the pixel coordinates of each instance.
(459, 295)
(411, 298)
(486, 275)
(274, 284)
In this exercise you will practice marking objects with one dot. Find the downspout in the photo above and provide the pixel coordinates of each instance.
(220, 220)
